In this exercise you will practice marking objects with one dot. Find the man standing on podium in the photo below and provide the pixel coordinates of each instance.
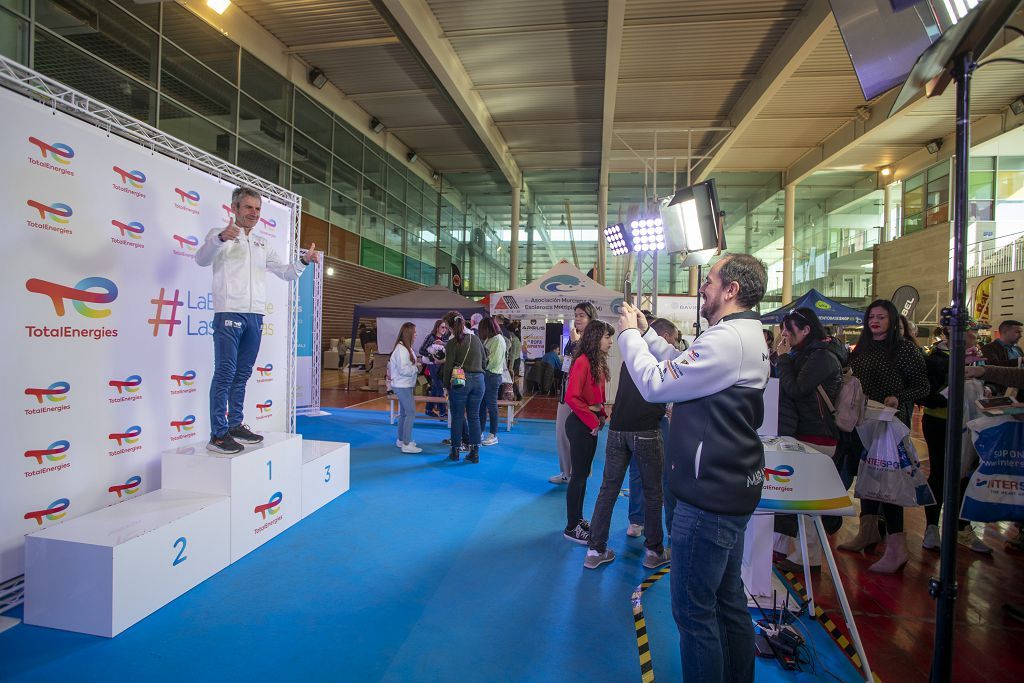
(239, 260)
(714, 459)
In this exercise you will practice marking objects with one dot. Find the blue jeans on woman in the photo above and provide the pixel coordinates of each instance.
(437, 391)
(716, 633)
(492, 383)
(465, 400)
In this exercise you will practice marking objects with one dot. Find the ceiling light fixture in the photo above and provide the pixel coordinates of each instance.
(886, 171)
(412, 157)
(375, 125)
(218, 6)
(317, 77)
(1017, 106)
(934, 146)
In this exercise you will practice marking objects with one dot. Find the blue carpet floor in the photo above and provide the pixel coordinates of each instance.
(424, 571)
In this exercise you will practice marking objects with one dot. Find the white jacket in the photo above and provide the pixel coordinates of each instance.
(238, 271)
(401, 369)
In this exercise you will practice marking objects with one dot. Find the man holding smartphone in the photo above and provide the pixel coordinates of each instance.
(239, 260)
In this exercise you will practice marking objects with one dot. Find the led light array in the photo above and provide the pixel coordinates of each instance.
(615, 236)
(648, 234)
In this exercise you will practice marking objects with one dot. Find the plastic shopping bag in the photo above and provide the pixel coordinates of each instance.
(889, 469)
(973, 390)
(995, 492)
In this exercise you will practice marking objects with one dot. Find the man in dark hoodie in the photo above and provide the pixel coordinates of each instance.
(716, 461)
(807, 359)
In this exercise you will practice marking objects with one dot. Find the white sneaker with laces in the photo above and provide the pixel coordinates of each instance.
(411, 448)
(931, 538)
(968, 538)
(635, 530)
(559, 479)
(399, 443)
(489, 440)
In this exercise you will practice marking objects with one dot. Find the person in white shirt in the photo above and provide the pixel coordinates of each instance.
(239, 259)
(403, 371)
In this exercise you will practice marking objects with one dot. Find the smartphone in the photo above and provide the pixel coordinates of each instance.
(995, 402)
(627, 293)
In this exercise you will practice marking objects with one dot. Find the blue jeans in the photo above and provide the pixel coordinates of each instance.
(636, 488)
(436, 390)
(670, 499)
(406, 413)
(465, 401)
(492, 383)
(716, 633)
(236, 342)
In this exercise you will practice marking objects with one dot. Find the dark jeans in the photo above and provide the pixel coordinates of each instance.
(666, 492)
(436, 390)
(934, 429)
(636, 487)
(465, 401)
(716, 633)
(236, 342)
(582, 446)
(623, 449)
(492, 383)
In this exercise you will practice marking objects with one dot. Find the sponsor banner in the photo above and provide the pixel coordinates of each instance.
(108, 352)
(534, 331)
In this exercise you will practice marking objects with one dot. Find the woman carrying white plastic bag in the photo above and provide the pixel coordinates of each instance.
(890, 470)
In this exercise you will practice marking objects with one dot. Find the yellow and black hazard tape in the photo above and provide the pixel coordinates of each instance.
(643, 646)
(822, 617)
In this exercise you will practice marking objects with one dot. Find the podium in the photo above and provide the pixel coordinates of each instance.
(263, 482)
(105, 571)
(325, 473)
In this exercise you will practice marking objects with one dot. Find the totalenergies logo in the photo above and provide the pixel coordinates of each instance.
(80, 295)
(782, 474)
(186, 423)
(265, 406)
(134, 178)
(266, 371)
(268, 223)
(272, 506)
(128, 436)
(58, 450)
(55, 213)
(128, 487)
(189, 242)
(188, 197)
(58, 151)
(186, 378)
(55, 393)
(52, 512)
(131, 384)
(133, 230)
(561, 283)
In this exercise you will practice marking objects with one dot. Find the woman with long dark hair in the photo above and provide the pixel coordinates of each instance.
(583, 314)
(432, 354)
(584, 394)
(464, 379)
(806, 359)
(494, 343)
(891, 371)
(403, 370)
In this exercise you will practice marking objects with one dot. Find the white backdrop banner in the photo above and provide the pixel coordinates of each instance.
(109, 347)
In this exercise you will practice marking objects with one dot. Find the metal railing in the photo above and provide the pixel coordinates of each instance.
(995, 255)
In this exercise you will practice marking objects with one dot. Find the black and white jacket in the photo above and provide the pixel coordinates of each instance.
(714, 455)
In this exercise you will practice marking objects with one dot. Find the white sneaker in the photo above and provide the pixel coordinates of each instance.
(399, 443)
(559, 479)
(931, 538)
(635, 530)
(411, 448)
(490, 440)
(969, 539)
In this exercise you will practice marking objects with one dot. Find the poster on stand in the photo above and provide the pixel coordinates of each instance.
(534, 334)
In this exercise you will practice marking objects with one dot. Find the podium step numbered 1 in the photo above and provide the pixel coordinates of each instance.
(104, 571)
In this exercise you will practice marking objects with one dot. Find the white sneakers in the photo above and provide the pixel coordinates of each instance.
(931, 539)
(635, 530)
(559, 479)
(411, 448)
(490, 440)
(969, 539)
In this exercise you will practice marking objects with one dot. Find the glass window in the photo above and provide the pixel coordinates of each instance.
(344, 245)
(1010, 179)
(346, 179)
(938, 171)
(14, 33)
(262, 164)
(981, 185)
(412, 269)
(396, 182)
(315, 196)
(396, 212)
(192, 84)
(373, 167)
(414, 199)
(104, 30)
(413, 246)
(262, 128)
(16, 5)
(69, 65)
(371, 254)
(373, 196)
(395, 237)
(428, 255)
(983, 163)
(310, 158)
(348, 146)
(430, 204)
(345, 212)
(428, 274)
(371, 226)
(312, 121)
(195, 130)
(202, 41)
(266, 86)
(394, 263)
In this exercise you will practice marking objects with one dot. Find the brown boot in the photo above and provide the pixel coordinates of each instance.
(895, 555)
(867, 535)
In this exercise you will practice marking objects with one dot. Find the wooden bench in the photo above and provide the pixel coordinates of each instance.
(509, 406)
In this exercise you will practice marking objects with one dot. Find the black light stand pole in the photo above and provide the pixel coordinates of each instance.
(944, 590)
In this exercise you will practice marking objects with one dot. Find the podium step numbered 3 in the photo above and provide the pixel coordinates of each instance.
(104, 571)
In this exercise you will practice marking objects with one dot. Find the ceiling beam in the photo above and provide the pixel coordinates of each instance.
(803, 35)
(501, 31)
(342, 45)
(612, 57)
(388, 94)
(698, 19)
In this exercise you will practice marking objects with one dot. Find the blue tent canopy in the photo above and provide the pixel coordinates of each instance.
(829, 312)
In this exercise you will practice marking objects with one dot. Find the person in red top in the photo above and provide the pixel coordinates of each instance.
(584, 394)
